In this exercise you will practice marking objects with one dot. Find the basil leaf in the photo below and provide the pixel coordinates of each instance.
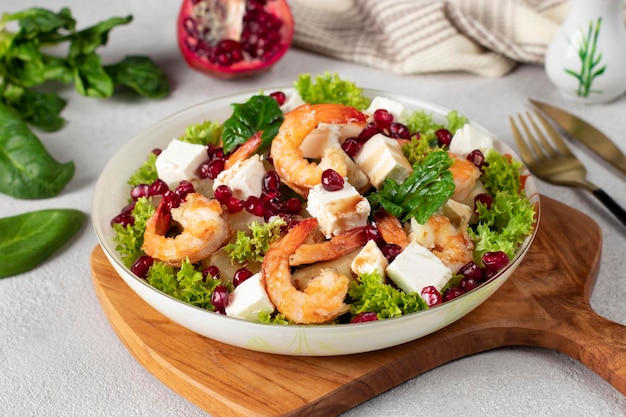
(28, 239)
(27, 170)
(141, 74)
(259, 113)
(428, 187)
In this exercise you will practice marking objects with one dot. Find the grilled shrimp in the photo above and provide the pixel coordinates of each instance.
(323, 298)
(449, 243)
(204, 231)
(465, 175)
(327, 250)
(295, 170)
(391, 229)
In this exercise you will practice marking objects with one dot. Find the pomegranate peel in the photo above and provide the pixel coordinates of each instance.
(234, 38)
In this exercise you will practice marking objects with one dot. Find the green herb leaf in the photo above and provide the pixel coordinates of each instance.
(28, 239)
(90, 79)
(86, 41)
(27, 170)
(140, 74)
(259, 113)
(42, 110)
(428, 187)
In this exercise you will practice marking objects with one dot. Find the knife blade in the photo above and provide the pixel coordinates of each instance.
(585, 133)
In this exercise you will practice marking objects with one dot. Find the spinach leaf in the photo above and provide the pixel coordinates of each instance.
(259, 113)
(90, 79)
(86, 41)
(140, 74)
(27, 170)
(39, 109)
(28, 239)
(428, 187)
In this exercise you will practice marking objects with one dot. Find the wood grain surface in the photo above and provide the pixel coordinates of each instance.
(545, 304)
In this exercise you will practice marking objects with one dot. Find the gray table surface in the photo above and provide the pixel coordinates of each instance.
(60, 357)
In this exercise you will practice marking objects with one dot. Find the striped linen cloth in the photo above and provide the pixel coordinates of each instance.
(484, 37)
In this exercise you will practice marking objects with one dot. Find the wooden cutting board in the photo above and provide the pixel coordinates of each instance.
(544, 304)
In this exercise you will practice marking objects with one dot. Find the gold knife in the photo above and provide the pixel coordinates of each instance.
(588, 135)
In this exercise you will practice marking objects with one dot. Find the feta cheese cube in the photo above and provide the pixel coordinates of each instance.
(369, 260)
(392, 106)
(249, 300)
(416, 267)
(468, 138)
(245, 178)
(338, 211)
(179, 161)
(458, 213)
(381, 157)
(327, 135)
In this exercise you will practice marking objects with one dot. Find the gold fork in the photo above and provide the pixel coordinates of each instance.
(554, 162)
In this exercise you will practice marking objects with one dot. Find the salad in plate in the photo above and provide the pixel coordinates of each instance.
(323, 206)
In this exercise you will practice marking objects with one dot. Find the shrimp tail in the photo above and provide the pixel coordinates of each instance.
(245, 149)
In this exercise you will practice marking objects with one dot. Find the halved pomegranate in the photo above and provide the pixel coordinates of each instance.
(234, 38)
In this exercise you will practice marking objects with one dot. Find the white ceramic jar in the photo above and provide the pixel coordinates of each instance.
(586, 60)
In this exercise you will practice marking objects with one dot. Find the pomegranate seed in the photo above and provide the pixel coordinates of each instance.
(222, 193)
(219, 298)
(432, 296)
(444, 137)
(158, 187)
(184, 187)
(351, 146)
(125, 219)
(382, 118)
(210, 150)
(219, 154)
(370, 130)
(139, 190)
(331, 180)
(364, 317)
(272, 206)
(399, 131)
(142, 266)
(254, 205)
(171, 200)
(269, 195)
(390, 250)
(415, 136)
(211, 169)
(477, 158)
(370, 232)
(468, 284)
(452, 293)
(472, 270)
(279, 96)
(234, 205)
(212, 271)
(241, 275)
(293, 206)
(483, 198)
(128, 208)
(157, 151)
(495, 261)
(271, 181)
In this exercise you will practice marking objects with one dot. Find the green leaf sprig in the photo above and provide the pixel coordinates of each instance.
(428, 187)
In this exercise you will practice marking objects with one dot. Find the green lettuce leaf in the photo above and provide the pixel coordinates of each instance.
(369, 294)
(329, 88)
(252, 246)
(129, 239)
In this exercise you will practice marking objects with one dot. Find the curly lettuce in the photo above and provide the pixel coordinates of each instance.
(370, 294)
(129, 239)
(329, 88)
(205, 133)
(253, 245)
(186, 284)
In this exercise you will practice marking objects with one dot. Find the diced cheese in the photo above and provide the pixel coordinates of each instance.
(245, 178)
(458, 213)
(338, 211)
(468, 138)
(369, 260)
(355, 175)
(327, 135)
(381, 157)
(392, 106)
(179, 161)
(416, 267)
(249, 299)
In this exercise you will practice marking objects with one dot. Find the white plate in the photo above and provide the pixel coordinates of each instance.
(111, 194)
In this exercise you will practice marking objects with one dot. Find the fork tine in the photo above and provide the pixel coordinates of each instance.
(554, 135)
(547, 146)
(524, 150)
(539, 151)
